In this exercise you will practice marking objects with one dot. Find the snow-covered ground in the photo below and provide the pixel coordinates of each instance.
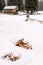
(14, 27)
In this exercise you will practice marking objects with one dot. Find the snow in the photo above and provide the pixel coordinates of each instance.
(10, 7)
(13, 28)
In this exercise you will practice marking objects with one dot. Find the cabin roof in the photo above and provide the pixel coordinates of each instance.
(10, 7)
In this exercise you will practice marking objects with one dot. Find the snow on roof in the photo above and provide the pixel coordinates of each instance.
(10, 7)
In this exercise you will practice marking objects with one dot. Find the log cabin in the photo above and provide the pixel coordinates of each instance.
(11, 9)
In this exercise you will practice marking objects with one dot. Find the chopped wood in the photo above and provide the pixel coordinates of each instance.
(22, 43)
(11, 57)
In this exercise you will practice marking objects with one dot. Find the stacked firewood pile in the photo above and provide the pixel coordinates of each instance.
(22, 43)
(11, 57)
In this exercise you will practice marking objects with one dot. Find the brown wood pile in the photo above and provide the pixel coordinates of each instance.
(11, 57)
(23, 44)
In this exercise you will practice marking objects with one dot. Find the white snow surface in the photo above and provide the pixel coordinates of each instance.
(10, 7)
(14, 27)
